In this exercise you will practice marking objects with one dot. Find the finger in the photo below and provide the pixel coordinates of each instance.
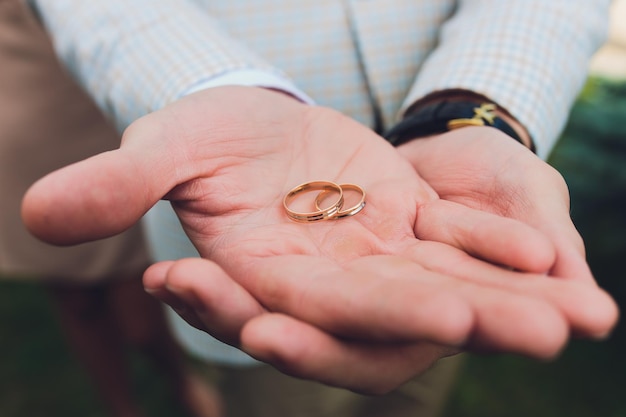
(552, 218)
(589, 310)
(95, 198)
(386, 298)
(204, 295)
(504, 320)
(303, 351)
(526, 326)
(488, 236)
(390, 298)
(571, 262)
(107, 193)
(158, 272)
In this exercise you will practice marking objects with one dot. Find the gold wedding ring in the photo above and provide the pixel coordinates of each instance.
(319, 214)
(326, 189)
(349, 211)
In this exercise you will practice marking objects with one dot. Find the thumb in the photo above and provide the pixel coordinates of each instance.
(100, 196)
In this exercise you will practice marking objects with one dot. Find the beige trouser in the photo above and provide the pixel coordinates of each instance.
(46, 122)
(261, 391)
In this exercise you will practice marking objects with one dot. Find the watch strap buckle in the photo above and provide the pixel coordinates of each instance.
(485, 114)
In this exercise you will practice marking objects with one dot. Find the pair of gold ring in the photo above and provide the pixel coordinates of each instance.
(326, 189)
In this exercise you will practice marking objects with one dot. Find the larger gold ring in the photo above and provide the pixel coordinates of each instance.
(349, 211)
(320, 214)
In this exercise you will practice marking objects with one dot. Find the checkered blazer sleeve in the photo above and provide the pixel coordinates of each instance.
(136, 56)
(530, 56)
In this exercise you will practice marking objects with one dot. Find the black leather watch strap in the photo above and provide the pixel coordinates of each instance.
(444, 116)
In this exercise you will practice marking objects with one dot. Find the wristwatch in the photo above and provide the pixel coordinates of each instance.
(445, 116)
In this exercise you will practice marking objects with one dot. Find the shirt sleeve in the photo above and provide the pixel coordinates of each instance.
(255, 78)
(135, 57)
(529, 56)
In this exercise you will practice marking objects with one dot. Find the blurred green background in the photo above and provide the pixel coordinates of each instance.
(39, 377)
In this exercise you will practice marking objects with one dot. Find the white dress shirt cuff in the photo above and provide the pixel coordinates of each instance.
(252, 77)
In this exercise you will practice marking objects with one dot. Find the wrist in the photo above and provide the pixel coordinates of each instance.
(451, 109)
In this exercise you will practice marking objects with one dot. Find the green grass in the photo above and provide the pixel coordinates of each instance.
(588, 380)
(37, 374)
(39, 377)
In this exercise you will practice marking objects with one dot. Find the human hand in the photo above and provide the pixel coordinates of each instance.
(484, 169)
(226, 157)
(217, 304)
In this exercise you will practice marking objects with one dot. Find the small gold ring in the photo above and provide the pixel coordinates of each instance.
(349, 211)
(320, 214)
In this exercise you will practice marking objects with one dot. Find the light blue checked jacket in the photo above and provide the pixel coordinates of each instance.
(530, 56)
